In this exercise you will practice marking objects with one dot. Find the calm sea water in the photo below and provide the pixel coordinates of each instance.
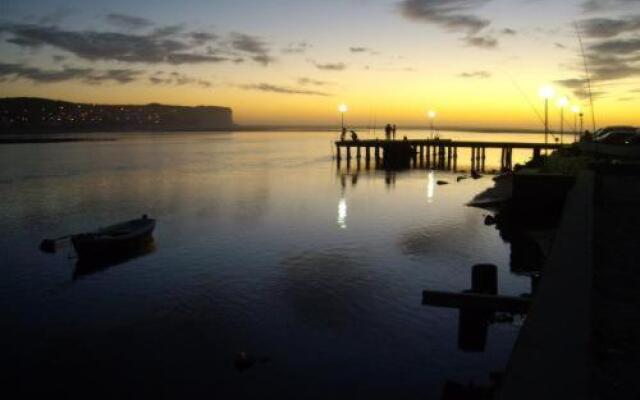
(262, 246)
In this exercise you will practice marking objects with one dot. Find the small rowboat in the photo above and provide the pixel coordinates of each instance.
(122, 237)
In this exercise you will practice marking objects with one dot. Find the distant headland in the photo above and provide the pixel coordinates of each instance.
(36, 115)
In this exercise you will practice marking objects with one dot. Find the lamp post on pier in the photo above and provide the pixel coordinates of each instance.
(562, 103)
(546, 92)
(342, 108)
(575, 109)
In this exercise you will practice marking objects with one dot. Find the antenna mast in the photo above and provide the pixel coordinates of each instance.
(588, 76)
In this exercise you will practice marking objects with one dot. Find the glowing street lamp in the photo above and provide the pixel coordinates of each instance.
(432, 116)
(575, 109)
(342, 108)
(546, 92)
(562, 103)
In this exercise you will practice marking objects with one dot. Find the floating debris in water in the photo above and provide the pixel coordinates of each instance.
(243, 361)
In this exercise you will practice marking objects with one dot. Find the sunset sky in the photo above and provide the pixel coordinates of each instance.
(476, 62)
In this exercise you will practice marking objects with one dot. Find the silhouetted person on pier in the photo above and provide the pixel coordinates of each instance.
(387, 131)
(393, 131)
(354, 136)
(343, 135)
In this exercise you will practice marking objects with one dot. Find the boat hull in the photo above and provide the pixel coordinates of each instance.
(112, 241)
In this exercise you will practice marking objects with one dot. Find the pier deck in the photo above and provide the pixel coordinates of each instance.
(442, 153)
(581, 337)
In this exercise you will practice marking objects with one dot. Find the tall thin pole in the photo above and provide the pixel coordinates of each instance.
(587, 76)
(562, 125)
(575, 127)
(342, 120)
(546, 121)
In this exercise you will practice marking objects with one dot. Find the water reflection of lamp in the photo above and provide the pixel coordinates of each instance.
(432, 116)
(342, 213)
(431, 186)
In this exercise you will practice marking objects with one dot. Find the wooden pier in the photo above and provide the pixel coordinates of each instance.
(433, 153)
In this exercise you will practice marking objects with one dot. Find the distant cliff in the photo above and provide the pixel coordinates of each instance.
(34, 115)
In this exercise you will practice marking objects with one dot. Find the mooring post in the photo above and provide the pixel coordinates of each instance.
(377, 153)
(473, 158)
(348, 152)
(338, 153)
(367, 153)
(484, 279)
(484, 158)
(358, 152)
(455, 158)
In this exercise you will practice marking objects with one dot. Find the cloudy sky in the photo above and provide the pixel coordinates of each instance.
(477, 62)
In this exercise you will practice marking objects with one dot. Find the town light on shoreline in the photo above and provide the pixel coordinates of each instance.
(546, 92)
(342, 108)
(432, 116)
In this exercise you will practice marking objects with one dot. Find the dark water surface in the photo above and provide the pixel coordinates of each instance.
(262, 247)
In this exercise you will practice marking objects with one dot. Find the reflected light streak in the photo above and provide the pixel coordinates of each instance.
(342, 213)
(431, 186)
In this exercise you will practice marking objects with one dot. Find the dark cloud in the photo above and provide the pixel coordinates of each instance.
(616, 46)
(114, 75)
(572, 83)
(165, 31)
(484, 42)
(609, 27)
(178, 79)
(263, 59)
(509, 31)
(331, 66)
(87, 75)
(600, 5)
(296, 48)
(359, 49)
(312, 82)
(560, 45)
(163, 45)
(609, 56)
(201, 38)
(127, 22)
(266, 87)
(188, 58)
(253, 45)
(453, 15)
(580, 88)
(476, 74)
